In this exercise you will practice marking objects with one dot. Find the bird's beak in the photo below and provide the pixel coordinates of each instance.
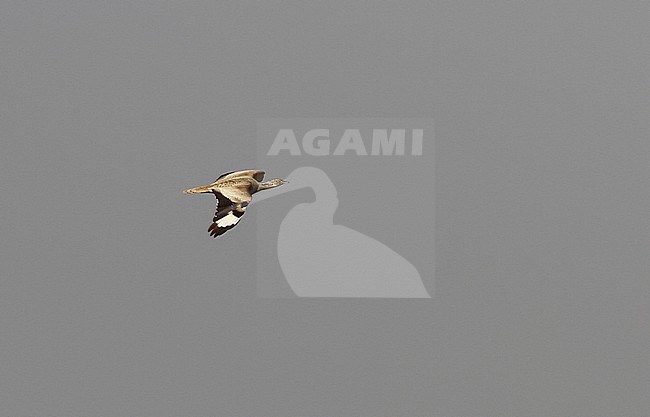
(198, 190)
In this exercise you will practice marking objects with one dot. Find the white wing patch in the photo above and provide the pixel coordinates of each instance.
(227, 215)
(228, 220)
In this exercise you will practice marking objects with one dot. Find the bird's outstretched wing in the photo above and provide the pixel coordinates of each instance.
(227, 215)
(222, 201)
(249, 173)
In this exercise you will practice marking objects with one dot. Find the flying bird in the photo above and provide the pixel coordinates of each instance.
(234, 191)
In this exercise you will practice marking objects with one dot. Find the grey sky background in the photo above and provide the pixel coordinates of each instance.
(114, 301)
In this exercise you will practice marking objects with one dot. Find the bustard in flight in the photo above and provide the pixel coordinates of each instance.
(234, 192)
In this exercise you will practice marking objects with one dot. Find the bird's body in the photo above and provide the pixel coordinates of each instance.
(234, 191)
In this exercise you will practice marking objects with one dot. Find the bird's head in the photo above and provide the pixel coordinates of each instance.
(276, 182)
(304, 177)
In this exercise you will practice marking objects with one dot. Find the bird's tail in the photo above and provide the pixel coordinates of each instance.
(198, 190)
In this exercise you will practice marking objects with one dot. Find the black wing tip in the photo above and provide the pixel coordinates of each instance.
(216, 231)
